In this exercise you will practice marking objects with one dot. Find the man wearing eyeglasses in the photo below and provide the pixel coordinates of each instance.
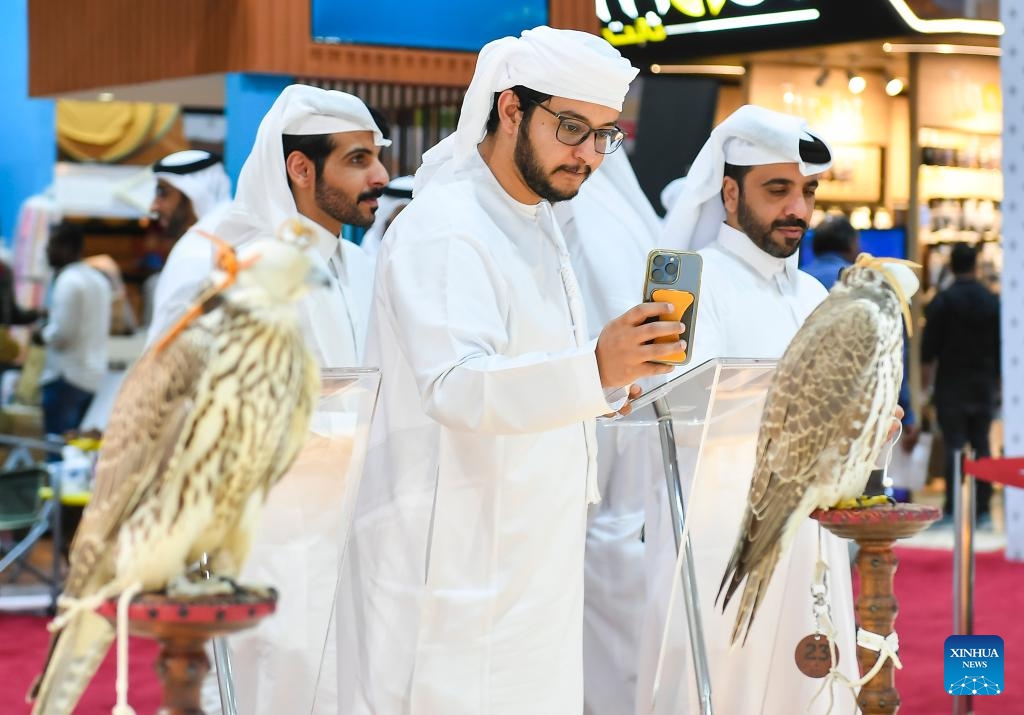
(465, 571)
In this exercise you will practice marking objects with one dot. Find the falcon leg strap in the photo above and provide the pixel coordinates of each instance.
(822, 610)
(121, 707)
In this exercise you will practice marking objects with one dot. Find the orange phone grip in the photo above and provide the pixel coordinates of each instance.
(682, 300)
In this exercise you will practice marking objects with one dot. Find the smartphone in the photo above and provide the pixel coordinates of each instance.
(674, 277)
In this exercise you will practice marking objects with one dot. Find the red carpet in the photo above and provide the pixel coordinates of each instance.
(925, 593)
(923, 587)
(23, 646)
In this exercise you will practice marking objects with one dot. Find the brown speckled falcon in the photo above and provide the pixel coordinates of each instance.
(826, 417)
(202, 427)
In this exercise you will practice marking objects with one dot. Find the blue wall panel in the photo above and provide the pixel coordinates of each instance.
(247, 97)
(442, 24)
(28, 145)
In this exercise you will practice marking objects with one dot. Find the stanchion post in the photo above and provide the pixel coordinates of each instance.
(963, 561)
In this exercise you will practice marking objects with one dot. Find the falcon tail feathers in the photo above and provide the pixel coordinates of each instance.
(733, 576)
(754, 590)
(76, 653)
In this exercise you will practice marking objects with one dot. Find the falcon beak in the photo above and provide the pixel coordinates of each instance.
(317, 277)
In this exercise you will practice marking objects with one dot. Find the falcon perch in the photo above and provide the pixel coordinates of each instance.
(205, 423)
(826, 417)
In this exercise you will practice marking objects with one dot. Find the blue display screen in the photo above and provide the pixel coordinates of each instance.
(889, 242)
(442, 25)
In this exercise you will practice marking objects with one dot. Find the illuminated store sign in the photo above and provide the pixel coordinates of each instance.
(637, 22)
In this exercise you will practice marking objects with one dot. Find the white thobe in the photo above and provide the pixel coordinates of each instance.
(466, 561)
(290, 659)
(188, 266)
(751, 305)
(609, 229)
(78, 329)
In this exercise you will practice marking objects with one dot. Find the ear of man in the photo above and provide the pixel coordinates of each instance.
(730, 194)
(510, 113)
(300, 168)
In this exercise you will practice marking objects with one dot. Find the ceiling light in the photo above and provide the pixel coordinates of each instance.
(729, 70)
(946, 26)
(857, 83)
(940, 49)
(893, 85)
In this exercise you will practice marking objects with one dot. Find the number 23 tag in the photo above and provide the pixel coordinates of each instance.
(813, 656)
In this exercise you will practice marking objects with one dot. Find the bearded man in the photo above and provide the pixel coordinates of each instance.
(466, 567)
(745, 205)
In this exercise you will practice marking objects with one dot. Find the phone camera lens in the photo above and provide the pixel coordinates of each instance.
(659, 261)
(659, 275)
(672, 268)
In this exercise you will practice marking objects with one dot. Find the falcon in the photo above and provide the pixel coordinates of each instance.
(827, 414)
(204, 425)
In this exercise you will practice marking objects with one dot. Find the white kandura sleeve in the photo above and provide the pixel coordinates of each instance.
(65, 319)
(188, 268)
(449, 305)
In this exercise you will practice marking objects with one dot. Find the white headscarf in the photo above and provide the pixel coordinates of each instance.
(750, 136)
(563, 63)
(670, 193)
(199, 175)
(263, 200)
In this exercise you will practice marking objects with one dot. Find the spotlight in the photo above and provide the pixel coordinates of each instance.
(822, 77)
(857, 83)
(893, 86)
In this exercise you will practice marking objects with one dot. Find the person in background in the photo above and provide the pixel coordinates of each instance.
(10, 312)
(836, 244)
(122, 316)
(316, 156)
(191, 186)
(960, 369)
(75, 334)
(397, 195)
(745, 205)
(609, 229)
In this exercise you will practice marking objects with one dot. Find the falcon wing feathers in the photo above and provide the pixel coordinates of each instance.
(154, 403)
(841, 335)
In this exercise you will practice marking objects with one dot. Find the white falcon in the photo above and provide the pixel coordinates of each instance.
(205, 423)
(827, 415)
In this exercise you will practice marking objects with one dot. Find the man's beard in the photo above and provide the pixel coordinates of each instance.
(534, 176)
(340, 207)
(761, 234)
(180, 221)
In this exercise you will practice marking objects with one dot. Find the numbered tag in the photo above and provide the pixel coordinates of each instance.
(813, 656)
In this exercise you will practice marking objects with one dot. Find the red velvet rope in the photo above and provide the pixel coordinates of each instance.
(1005, 470)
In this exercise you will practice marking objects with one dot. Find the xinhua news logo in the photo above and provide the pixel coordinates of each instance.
(974, 665)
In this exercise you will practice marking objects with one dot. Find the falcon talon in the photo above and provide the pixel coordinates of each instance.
(864, 502)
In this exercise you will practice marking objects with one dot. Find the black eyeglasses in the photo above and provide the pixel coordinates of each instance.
(574, 132)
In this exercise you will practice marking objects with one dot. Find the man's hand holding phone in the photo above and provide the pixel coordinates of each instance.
(626, 351)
